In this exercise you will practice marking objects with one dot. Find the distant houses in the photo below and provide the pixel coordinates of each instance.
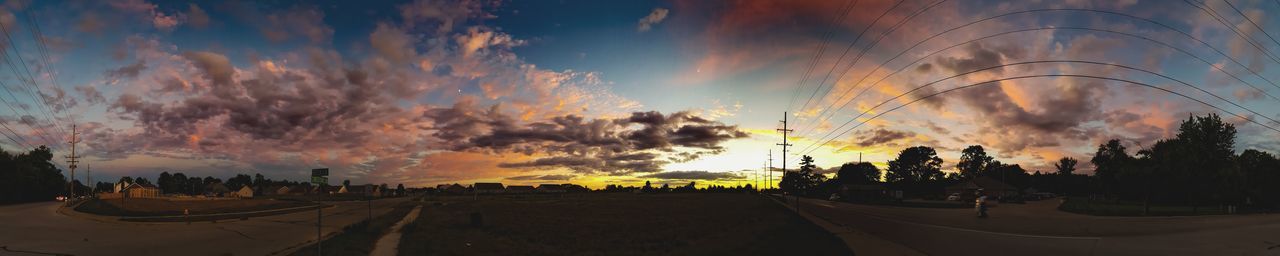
(136, 190)
(989, 186)
(493, 188)
(244, 192)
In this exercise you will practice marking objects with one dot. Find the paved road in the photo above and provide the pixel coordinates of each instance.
(39, 228)
(1038, 229)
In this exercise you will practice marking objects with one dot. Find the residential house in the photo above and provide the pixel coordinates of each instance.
(520, 190)
(991, 187)
(551, 188)
(244, 192)
(217, 190)
(488, 188)
(136, 190)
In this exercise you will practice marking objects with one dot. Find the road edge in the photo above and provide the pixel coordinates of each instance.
(858, 241)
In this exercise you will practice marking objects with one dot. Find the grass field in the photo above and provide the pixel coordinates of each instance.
(137, 207)
(359, 238)
(1131, 208)
(616, 224)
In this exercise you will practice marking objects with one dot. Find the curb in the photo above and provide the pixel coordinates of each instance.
(859, 242)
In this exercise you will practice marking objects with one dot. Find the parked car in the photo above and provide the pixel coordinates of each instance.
(834, 197)
(954, 197)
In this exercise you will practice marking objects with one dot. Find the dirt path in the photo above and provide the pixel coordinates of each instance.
(389, 244)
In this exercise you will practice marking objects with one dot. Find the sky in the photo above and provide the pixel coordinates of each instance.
(430, 92)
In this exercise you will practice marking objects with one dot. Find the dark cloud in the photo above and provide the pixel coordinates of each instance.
(91, 95)
(936, 128)
(549, 177)
(880, 135)
(615, 146)
(130, 71)
(693, 175)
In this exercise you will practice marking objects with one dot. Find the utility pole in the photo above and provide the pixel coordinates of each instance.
(72, 159)
(770, 170)
(88, 175)
(784, 145)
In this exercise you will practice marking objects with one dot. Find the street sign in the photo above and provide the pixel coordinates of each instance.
(320, 180)
(319, 172)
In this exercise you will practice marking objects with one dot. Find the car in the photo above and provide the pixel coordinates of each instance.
(60, 198)
(834, 197)
(954, 197)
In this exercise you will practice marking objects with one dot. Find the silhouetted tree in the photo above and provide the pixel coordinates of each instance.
(165, 181)
(915, 165)
(803, 181)
(648, 188)
(973, 161)
(346, 183)
(1261, 172)
(1108, 161)
(859, 173)
(400, 189)
(142, 181)
(30, 177)
(1066, 165)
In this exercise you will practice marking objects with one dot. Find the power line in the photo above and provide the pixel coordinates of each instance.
(1219, 69)
(811, 124)
(1255, 24)
(1214, 14)
(1048, 75)
(846, 52)
(917, 44)
(822, 48)
(31, 81)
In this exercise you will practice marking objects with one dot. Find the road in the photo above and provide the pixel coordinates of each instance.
(39, 229)
(1037, 228)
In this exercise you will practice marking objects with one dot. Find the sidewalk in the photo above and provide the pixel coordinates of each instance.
(859, 242)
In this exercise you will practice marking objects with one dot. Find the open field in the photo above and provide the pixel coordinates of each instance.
(1082, 205)
(616, 224)
(137, 207)
(359, 238)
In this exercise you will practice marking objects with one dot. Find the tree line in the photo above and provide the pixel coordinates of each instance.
(30, 177)
(1198, 166)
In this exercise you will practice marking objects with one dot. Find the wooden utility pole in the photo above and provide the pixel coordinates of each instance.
(784, 143)
(770, 170)
(72, 160)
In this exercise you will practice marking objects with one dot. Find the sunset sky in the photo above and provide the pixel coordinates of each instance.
(615, 92)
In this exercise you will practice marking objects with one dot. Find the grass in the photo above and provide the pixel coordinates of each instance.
(142, 207)
(616, 224)
(1082, 205)
(359, 238)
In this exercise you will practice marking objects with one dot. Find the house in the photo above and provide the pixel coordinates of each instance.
(455, 189)
(551, 188)
(991, 187)
(216, 190)
(136, 190)
(244, 192)
(299, 190)
(864, 192)
(488, 188)
(520, 190)
(366, 190)
(120, 186)
(276, 190)
(343, 190)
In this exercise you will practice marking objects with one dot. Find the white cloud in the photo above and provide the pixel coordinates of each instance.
(655, 17)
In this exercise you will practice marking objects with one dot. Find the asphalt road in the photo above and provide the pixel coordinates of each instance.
(1038, 229)
(38, 229)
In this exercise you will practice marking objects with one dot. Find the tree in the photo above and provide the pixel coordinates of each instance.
(400, 189)
(915, 165)
(648, 188)
(1261, 172)
(803, 181)
(259, 180)
(30, 177)
(859, 173)
(181, 184)
(973, 161)
(1210, 166)
(1065, 166)
(346, 183)
(142, 181)
(165, 181)
(240, 180)
(1108, 161)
